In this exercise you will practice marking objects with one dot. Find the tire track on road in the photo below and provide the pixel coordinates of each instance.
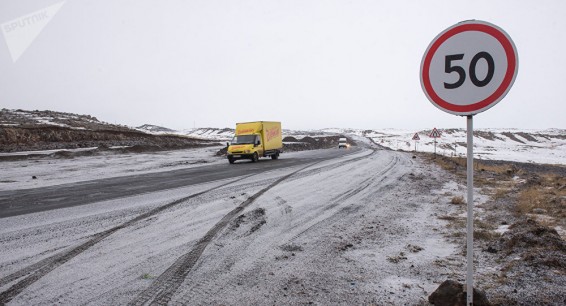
(201, 288)
(348, 194)
(162, 289)
(36, 271)
(43, 267)
(335, 165)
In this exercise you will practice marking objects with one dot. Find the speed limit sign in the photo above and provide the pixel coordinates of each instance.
(469, 67)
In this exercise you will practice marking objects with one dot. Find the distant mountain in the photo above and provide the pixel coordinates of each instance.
(150, 128)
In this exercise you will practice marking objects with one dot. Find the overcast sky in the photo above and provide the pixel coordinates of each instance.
(308, 64)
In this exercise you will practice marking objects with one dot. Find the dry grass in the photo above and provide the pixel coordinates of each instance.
(482, 230)
(457, 223)
(449, 163)
(547, 195)
(540, 195)
(485, 181)
(485, 230)
(484, 225)
(458, 200)
(485, 235)
(500, 193)
(506, 170)
(460, 163)
(457, 235)
(397, 258)
(483, 174)
(530, 199)
(448, 218)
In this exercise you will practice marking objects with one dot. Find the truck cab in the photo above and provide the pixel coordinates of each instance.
(245, 147)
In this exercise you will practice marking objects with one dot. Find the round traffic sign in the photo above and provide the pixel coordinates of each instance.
(469, 67)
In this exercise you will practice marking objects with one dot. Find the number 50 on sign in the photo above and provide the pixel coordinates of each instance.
(469, 67)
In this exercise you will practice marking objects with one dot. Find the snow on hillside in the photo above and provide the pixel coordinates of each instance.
(203, 133)
(536, 146)
(209, 133)
(226, 134)
(154, 129)
(25, 118)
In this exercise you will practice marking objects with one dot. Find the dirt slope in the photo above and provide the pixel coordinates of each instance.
(46, 130)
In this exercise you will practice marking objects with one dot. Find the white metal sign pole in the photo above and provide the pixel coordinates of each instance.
(435, 147)
(470, 200)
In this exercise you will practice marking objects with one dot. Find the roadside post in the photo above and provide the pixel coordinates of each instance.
(434, 134)
(416, 138)
(465, 70)
(455, 148)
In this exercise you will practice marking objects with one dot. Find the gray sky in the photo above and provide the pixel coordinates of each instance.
(308, 64)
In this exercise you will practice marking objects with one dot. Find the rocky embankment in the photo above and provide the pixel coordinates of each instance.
(13, 139)
(46, 130)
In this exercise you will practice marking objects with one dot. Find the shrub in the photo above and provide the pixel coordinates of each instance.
(458, 200)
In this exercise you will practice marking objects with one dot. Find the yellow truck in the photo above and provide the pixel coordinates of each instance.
(253, 140)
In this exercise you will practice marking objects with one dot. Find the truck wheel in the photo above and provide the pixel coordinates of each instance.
(275, 156)
(230, 160)
(255, 158)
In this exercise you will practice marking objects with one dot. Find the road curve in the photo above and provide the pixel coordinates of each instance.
(26, 201)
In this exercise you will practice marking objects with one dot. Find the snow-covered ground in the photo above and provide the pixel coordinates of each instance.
(546, 146)
(531, 146)
(359, 229)
(50, 171)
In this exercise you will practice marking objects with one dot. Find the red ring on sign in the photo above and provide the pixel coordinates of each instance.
(507, 80)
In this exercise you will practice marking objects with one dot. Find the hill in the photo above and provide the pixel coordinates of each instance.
(47, 130)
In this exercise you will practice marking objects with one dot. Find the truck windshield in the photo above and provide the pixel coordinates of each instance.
(243, 139)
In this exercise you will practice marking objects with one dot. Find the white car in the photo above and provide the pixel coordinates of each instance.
(343, 143)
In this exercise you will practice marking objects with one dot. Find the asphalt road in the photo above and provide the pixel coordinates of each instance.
(26, 201)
